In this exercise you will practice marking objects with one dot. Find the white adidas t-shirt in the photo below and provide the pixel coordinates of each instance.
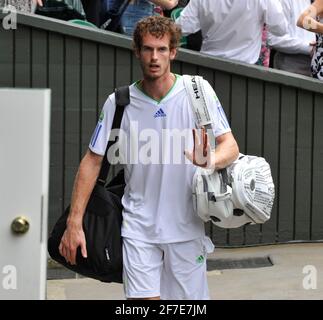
(157, 201)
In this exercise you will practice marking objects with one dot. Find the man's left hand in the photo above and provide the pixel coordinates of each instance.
(202, 154)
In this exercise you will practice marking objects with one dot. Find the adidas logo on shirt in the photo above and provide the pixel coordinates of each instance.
(160, 113)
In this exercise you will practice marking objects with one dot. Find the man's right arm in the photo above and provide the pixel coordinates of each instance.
(85, 180)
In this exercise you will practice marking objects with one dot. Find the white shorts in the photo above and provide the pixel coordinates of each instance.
(173, 271)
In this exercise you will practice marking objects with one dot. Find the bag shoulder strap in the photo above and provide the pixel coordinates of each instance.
(195, 88)
(122, 97)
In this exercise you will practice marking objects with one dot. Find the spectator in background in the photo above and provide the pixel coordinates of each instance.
(233, 29)
(293, 50)
(63, 10)
(180, 4)
(264, 57)
(92, 10)
(22, 5)
(138, 9)
(312, 20)
(192, 41)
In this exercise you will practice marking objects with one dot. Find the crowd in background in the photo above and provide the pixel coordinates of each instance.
(269, 33)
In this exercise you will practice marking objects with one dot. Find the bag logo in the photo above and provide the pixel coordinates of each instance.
(195, 89)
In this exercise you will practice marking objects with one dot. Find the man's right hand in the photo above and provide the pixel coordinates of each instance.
(73, 238)
(84, 183)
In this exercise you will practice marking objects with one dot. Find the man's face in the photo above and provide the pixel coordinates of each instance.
(155, 56)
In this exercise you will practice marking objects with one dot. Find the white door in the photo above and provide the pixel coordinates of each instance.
(24, 171)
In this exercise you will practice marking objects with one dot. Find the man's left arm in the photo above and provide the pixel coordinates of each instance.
(226, 148)
(226, 151)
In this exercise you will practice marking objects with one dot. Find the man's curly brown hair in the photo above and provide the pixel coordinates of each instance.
(157, 26)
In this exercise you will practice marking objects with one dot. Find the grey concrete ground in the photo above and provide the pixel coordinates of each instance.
(294, 266)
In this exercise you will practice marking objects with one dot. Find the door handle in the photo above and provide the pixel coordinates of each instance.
(20, 225)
